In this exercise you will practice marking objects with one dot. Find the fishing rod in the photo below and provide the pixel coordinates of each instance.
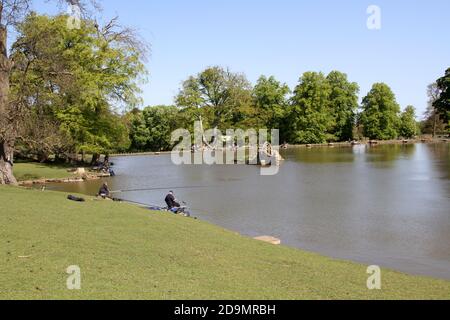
(146, 205)
(138, 203)
(158, 208)
(150, 189)
(156, 189)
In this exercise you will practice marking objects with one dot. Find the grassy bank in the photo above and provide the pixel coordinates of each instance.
(24, 171)
(128, 252)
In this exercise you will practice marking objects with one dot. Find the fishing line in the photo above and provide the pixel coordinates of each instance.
(139, 203)
(156, 189)
(147, 205)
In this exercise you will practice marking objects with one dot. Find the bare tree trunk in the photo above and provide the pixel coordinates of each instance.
(6, 134)
(6, 158)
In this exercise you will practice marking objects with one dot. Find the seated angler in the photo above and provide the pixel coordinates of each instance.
(172, 204)
(104, 191)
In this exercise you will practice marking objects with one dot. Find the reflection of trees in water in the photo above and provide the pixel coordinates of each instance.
(441, 153)
(320, 155)
(388, 155)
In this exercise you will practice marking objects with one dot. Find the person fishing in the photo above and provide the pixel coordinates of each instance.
(104, 191)
(172, 204)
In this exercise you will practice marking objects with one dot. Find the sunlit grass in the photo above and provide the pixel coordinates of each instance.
(126, 252)
(35, 171)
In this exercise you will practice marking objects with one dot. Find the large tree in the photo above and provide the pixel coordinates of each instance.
(442, 104)
(11, 13)
(270, 99)
(76, 77)
(408, 123)
(344, 105)
(221, 96)
(380, 113)
(310, 116)
(138, 130)
(161, 121)
(433, 123)
(69, 80)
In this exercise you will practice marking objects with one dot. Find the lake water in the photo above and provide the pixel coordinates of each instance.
(385, 205)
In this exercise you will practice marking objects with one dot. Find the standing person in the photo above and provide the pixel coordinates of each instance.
(172, 204)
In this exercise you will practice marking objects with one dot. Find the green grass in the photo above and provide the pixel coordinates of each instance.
(36, 171)
(126, 252)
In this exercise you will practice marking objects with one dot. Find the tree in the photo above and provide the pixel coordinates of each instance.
(442, 104)
(138, 130)
(76, 77)
(40, 137)
(310, 115)
(151, 129)
(221, 96)
(380, 113)
(270, 99)
(344, 105)
(408, 127)
(433, 122)
(161, 121)
(11, 13)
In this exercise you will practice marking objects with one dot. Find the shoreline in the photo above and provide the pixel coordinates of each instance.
(320, 145)
(29, 183)
(91, 177)
(371, 143)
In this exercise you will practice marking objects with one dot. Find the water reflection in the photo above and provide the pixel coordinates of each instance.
(440, 159)
(320, 155)
(385, 156)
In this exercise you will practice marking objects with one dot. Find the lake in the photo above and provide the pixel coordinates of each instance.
(385, 205)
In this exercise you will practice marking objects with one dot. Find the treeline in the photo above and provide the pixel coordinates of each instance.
(321, 108)
(76, 91)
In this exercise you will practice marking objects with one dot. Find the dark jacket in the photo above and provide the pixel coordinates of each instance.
(171, 202)
(104, 191)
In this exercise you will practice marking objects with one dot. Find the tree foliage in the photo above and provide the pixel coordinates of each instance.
(78, 79)
(442, 104)
(323, 108)
(151, 128)
(221, 96)
(380, 113)
(408, 123)
(270, 103)
(310, 115)
(432, 124)
(344, 105)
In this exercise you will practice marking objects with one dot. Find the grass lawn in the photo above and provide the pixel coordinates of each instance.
(34, 171)
(129, 252)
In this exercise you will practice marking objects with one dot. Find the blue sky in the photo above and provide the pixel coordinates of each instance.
(285, 38)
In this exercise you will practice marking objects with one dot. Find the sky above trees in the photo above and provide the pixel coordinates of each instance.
(288, 37)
